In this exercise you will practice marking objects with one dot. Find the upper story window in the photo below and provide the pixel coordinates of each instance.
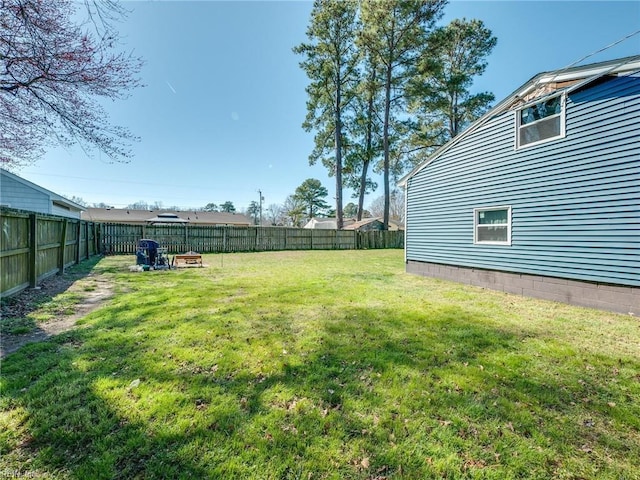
(492, 225)
(540, 122)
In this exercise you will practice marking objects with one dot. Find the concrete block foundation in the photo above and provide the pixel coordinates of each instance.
(614, 298)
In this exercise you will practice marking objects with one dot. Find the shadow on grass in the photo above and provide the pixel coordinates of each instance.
(394, 388)
(18, 318)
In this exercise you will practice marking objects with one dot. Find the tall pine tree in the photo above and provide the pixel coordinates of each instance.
(365, 132)
(311, 194)
(331, 63)
(394, 32)
(440, 88)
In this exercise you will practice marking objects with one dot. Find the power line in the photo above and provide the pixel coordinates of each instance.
(626, 37)
(101, 181)
(600, 50)
(154, 184)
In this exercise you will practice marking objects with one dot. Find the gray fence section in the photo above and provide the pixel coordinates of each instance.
(34, 246)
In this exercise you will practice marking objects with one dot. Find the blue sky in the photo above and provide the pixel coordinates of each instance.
(220, 116)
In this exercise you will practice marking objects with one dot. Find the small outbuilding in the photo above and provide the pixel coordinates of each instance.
(373, 224)
(326, 223)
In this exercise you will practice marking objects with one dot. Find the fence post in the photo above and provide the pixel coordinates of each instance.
(78, 241)
(63, 244)
(186, 238)
(96, 242)
(257, 249)
(86, 238)
(33, 250)
(224, 239)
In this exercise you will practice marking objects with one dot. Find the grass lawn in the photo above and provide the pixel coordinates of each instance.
(312, 365)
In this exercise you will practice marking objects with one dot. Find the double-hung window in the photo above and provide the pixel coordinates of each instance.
(492, 225)
(540, 122)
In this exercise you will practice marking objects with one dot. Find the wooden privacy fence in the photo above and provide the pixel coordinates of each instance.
(122, 239)
(34, 246)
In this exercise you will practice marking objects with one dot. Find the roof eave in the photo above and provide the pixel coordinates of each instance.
(589, 73)
(52, 195)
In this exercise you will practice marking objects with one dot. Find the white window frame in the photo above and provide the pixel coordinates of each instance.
(476, 211)
(562, 115)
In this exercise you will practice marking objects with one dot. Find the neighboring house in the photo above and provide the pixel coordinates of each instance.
(163, 217)
(326, 223)
(373, 223)
(540, 196)
(21, 194)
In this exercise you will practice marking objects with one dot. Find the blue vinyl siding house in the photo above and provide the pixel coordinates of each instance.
(540, 196)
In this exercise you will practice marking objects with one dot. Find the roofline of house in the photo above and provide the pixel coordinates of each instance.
(54, 196)
(162, 216)
(591, 71)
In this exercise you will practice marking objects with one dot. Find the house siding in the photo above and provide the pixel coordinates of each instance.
(64, 212)
(20, 196)
(575, 200)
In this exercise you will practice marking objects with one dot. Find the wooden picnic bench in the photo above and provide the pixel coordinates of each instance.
(190, 258)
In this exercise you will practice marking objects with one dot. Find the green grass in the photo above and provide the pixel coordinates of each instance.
(311, 365)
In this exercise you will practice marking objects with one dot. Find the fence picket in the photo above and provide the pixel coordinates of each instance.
(121, 239)
(35, 246)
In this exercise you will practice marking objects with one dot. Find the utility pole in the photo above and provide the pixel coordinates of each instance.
(260, 203)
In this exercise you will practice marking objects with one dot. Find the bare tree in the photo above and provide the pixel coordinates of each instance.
(274, 214)
(293, 211)
(396, 206)
(52, 73)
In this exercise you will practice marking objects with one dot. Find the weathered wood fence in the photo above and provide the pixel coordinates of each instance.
(123, 239)
(34, 246)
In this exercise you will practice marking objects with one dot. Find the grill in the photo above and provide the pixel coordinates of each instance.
(151, 256)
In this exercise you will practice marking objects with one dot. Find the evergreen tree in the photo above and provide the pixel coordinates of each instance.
(394, 32)
(440, 94)
(227, 207)
(365, 132)
(331, 64)
(350, 210)
(253, 210)
(312, 194)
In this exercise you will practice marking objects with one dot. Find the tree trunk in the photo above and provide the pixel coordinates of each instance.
(338, 145)
(385, 144)
(363, 189)
(367, 160)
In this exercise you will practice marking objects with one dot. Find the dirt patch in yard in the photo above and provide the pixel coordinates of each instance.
(19, 328)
